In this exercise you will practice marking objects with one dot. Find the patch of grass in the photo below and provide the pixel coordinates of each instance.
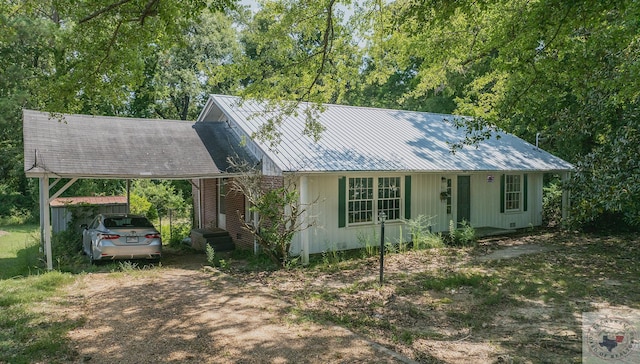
(27, 335)
(516, 304)
(406, 337)
(453, 280)
(19, 251)
(250, 261)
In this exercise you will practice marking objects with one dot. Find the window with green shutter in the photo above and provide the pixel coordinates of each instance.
(361, 199)
(513, 192)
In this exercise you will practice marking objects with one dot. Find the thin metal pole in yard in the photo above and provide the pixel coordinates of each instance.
(382, 216)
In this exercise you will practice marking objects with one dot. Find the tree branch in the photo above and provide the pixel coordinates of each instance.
(112, 41)
(103, 10)
(149, 11)
(326, 48)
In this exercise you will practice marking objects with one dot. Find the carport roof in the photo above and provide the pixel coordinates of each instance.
(84, 146)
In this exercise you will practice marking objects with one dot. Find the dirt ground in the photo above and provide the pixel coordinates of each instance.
(187, 312)
(189, 315)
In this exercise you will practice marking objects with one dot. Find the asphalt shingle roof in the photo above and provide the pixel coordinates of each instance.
(371, 139)
(87, 146)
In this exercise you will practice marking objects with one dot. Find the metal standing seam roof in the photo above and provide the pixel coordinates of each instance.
(372, 139)
(85, 146)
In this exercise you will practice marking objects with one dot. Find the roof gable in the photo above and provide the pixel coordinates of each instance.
(371, 139)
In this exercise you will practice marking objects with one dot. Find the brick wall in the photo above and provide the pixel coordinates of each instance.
(235, 208)
(271, 182)
(209, 190)
(235, 213)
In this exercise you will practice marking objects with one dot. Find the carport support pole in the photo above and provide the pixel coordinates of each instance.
(41, 207)
(46, 212)
(128, 196)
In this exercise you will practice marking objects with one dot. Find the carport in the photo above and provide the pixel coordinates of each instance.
(62, 148)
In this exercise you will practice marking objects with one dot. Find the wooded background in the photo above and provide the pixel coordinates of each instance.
(569, 70)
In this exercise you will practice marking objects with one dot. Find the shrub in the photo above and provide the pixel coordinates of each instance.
(552, 204)
(179, 232)
(139, 205)
(66, 247)
(421, 234)
(211, 255)
(463, 236)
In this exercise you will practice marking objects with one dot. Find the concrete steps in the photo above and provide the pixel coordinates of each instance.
(217, 238)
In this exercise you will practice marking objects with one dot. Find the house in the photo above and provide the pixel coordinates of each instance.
(367, 161)
(370, 161)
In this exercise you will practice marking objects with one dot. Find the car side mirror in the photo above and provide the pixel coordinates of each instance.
(84, 226)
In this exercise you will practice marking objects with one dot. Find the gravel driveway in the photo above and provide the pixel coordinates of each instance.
(195, 316)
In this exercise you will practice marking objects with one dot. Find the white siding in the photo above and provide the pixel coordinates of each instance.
(325, 235)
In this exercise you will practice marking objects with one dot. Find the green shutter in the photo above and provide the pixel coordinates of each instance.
(502, 181)
(342, 201)
(524, 192)
(407, 197)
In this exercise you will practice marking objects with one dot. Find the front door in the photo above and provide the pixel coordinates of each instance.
(222, 203)
(464, 199)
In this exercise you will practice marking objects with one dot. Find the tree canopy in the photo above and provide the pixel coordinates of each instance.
(565, 70)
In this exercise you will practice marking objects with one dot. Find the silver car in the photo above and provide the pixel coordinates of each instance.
(121, 236)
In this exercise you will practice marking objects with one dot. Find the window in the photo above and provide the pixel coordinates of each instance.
(363, 197)
(449, 196)
(389, 197)
(512, 192)
(360, 200)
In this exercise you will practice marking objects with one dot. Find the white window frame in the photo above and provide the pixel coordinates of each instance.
(513, 190)
(368, 192)
(360, 200)
(390, 191)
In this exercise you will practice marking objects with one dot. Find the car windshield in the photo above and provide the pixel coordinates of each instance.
(126, 221)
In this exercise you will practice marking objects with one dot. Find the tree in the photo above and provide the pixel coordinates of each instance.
(565, 69)
(77, 57)
(278, 208)
(162, 195)
(297, 51)
(180, 77)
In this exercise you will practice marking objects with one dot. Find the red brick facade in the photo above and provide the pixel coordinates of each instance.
(235, 207)
(235, 204)
(205, 203)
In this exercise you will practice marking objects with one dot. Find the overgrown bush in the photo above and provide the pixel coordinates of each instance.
(604, 185)
(17, 217)
(66, 247)
(179, 232)
(421, 234)
(552, 204)
(14, 204)
(139, 205)
(465, 235)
